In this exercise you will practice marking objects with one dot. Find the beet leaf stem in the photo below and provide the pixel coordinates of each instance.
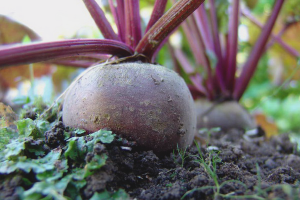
(100, 19)
(276, 38)
(233, 47)
(165, 25)
(133, 23)
(158, 11)
(203, 26)
(256, 53)
(45, 51)
(196, 78)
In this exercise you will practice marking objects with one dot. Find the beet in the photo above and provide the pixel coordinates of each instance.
(147, 103)
(226, 115)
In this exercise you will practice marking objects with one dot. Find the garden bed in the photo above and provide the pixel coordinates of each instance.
(62, 163)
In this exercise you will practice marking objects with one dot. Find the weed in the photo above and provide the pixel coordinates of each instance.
(209, 132)
(182, 155)
(261, 194)
(210, 166)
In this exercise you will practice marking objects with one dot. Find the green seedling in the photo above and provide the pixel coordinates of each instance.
(209, 132)
(182, 155)
(210, 166)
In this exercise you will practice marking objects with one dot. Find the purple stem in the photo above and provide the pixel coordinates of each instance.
(203, 26)
(220, 70)
(121, 18)
(288, 48)
(188, 69)
(45, 51)
(74, 63)
(215, 29)
(165, 25)
(100, 19)
(233, 44)
(158, 11)
(84, 61)
(195, 47)
(276, 38)
(117, 19)
(257, 51)
(198, 39)
(133, 23)
(226, 52)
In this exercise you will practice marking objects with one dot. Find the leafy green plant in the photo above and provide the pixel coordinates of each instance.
(55, 177)
(209, 132)
(182, 155)
(5, 134)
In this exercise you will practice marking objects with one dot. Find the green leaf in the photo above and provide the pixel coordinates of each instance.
(36, 147)
(52, 190)
(104, 136)
(212, 58)
(119, 195)
(73, 189)
(22, 100)
(6, 134)
(14, 149)
(96, 163)
(76, 148)
(60, 168)
(100, 196)
(50, 175)
(36, 165)
(25, 126)
(215, 129)
(79, 131)
(42, 125)
(7, 167)
(71, 152)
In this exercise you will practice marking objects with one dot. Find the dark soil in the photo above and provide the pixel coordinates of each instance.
(265, 167)
(256, 162)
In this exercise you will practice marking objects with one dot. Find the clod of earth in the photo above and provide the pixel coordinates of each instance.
(226, 115)
(147, 103)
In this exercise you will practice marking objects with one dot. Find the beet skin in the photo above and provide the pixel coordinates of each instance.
(147, 103)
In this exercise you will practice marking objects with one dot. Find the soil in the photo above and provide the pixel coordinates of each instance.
(266, 167)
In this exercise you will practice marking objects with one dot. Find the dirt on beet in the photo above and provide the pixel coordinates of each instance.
(225, 165)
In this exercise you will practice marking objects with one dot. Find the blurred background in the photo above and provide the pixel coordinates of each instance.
(273, 95)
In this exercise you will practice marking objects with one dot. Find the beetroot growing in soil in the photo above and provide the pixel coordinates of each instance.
(135, 99)
(216, 76)
(142, 102)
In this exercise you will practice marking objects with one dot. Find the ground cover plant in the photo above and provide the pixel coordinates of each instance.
(214, 50)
